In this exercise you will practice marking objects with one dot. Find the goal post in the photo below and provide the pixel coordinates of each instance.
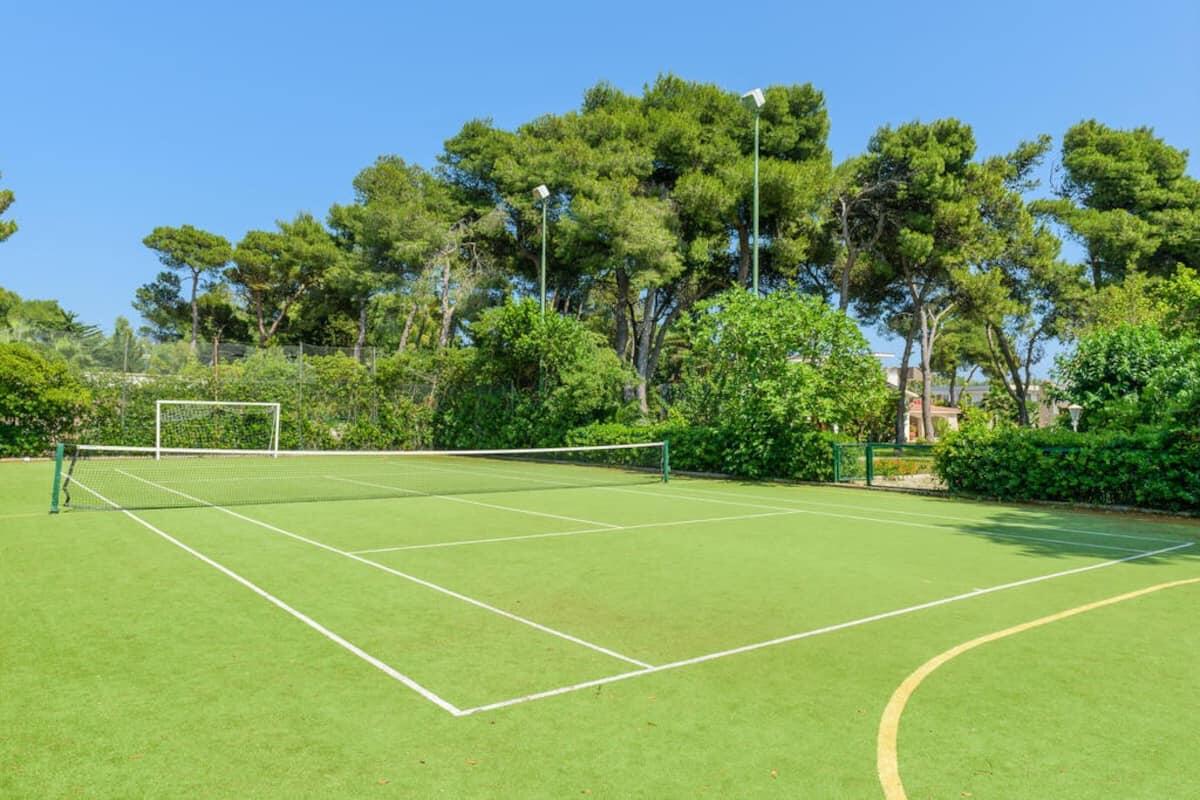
(215, 425)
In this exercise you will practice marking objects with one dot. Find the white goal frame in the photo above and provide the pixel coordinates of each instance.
(158, 409)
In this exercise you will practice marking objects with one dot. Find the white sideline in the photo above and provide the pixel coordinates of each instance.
(307, 620)
(905, 523)
(420, 581)
(618, 528)
(811, 633)
(1027, 525)
(455, 499)
(987, 523)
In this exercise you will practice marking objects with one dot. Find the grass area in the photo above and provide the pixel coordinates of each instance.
(579, 639)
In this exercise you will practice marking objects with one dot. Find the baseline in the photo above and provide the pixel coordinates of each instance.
(887, 744)
(817, 632)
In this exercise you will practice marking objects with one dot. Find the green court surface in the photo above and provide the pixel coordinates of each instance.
(583, 634)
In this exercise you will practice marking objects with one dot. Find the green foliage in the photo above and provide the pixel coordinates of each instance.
(1128, 199)
(527, 381)
(1110, 370)
(40, 400)
(783, 360)
(7, 226)
(188, 250)
(1151, 468)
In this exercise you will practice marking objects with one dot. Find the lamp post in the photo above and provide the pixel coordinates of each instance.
(1075, 410)
(540, 195)
(754, 101)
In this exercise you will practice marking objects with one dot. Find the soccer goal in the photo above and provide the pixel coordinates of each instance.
(215, 425)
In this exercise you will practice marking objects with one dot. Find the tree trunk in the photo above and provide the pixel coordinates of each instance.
(743, 255)
(643, 351)
(447, 308)
(953, 381)
(902, 404)
(1096, 276)
(195, 308)
(621, 340)
(927, 335)
(408, 325)
(848, 261)
(362, 329)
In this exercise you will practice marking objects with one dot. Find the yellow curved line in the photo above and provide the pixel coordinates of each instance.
(887, 756)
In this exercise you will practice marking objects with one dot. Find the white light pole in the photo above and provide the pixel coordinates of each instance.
(540, 195)
(1075, 410)
(754, 101)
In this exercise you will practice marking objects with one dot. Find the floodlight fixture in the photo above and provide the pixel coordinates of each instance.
(541, 193)
(754, 99)
(1075, 410)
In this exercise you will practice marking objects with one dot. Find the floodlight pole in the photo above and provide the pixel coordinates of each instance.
(542, 273)
(757, 116)
(542, 194)
(755, 100)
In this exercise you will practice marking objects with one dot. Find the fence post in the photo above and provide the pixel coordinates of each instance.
(300, 399)
(870, 464)
(837, 463)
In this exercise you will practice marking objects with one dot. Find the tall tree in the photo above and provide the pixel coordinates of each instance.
(1013, 285)
(162, 305)
(1126, 197)
(272, 270)
(191, 251)
(932, 223)
(7, 227)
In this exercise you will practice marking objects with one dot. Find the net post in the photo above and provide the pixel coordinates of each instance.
(870, 464)
(666, 460)
(157, 430)
(275, 443)
(57, 487)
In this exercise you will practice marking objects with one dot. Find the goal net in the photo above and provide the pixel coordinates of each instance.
(215, 425)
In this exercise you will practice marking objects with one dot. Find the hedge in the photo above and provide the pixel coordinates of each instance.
(795, 455)
(1153, 468)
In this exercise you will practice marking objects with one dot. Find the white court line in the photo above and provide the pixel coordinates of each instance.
(988, 523)
(905, 523)
(420, 581)
(307, 620)
(460, 542)
(1028, 525)
(811, 633)
(455, 499)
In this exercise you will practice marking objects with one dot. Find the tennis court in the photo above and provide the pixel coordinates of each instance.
(766, 626)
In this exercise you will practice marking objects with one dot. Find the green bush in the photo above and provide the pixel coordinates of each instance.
(805, 455)
(40, 400)
(1149, 468)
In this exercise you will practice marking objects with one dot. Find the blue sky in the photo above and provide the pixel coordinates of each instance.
(229, 116)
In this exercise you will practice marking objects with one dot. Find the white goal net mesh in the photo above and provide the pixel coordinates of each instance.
(217, 425)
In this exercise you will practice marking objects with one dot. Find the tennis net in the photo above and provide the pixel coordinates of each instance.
(104, 477)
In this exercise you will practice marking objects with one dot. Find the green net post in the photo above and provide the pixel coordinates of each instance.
(666, 460)
(54, 490)
(870, 463)
(837, 463)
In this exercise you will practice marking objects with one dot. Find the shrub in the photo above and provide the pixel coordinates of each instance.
(807, 455)
(40, 400)
(1148, 468)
